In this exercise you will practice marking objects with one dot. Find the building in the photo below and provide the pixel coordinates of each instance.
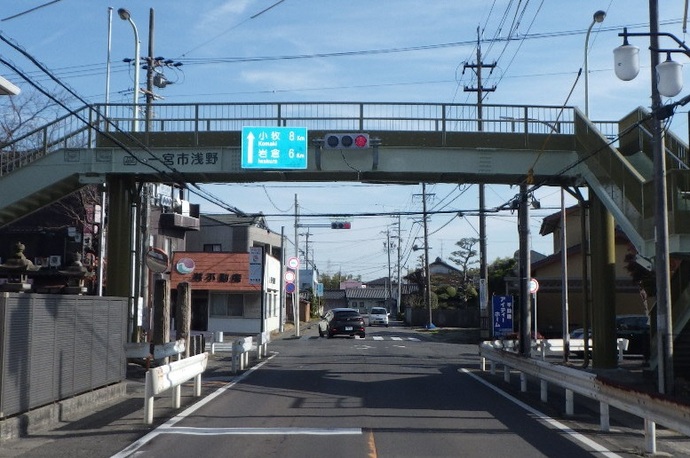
(234, 293)
(233, 233)
(234, 268)
(548, 271)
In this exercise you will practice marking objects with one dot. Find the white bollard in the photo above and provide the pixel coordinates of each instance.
(649, 436)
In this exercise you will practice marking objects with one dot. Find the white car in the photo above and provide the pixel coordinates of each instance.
(378, 315)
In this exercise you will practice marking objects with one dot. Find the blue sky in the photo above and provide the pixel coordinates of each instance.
(360, 51)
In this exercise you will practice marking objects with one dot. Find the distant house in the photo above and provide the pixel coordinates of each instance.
(334, 298)
(363, 299)
(440, 267)
(347, 284)
(364, 295)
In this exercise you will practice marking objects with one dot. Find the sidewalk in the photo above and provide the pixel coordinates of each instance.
(114, 410)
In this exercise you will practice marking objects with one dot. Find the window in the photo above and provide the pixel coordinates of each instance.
(227, 305)
(212, 247)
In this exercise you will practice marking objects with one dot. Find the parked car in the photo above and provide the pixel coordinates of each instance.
(378, 315)
(579, 333)
(341, 321)
(635, 328)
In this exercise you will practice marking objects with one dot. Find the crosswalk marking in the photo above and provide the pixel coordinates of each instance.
(378, 338)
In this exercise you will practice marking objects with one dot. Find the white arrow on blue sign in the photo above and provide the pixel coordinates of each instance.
(274, 147)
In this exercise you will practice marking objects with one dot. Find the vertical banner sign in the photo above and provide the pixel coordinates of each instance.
(502, 315)
(483, 303)
(256, 265)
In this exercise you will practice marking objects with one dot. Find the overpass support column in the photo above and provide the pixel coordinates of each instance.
(602, 230)
(121, 193)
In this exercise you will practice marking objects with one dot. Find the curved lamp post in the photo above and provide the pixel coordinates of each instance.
(666, 81)
(125, 16)
(597, 18)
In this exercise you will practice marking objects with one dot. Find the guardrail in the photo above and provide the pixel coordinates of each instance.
(262, 341)
(172, 375)
(240, 353)
(146, 350)
(653, 409)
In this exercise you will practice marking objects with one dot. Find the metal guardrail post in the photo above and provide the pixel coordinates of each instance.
(604, 417)
(649, 407)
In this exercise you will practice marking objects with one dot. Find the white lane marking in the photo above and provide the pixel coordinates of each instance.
(264, 431)
(135, 446)
(396, 338)
(377, 338)
(413, 339)
(596, 447)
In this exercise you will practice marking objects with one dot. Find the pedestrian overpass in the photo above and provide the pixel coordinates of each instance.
(412, 143)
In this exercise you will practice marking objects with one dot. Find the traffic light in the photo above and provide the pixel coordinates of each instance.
(346, 141)
(341, 225)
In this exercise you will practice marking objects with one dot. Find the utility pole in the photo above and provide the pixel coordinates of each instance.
(665, 376)
(149, 73)
(399, 295)
(306, 249)
(483, 269)
(427, 276)
(295, 300)
(525, 341)
(389, 283)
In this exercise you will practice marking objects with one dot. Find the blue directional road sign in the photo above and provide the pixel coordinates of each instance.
(274, 147)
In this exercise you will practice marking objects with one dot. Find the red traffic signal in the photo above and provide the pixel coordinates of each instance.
(341, 225)
(346, 141)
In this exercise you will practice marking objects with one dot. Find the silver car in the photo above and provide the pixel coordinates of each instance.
(378, 315)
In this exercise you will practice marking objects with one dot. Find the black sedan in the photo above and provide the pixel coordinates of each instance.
(341, 321)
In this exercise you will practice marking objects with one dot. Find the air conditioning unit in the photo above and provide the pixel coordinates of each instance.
(55, 261)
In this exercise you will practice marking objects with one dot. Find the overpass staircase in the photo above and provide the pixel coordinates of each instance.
(623, 179)
(618, 171)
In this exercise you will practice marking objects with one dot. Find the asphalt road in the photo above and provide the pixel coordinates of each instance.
(396, 393)
(393, 394)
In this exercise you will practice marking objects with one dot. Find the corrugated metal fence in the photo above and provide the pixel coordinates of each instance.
(56, 346)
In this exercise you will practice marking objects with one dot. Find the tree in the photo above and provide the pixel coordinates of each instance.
(498, 270)
(334, 281)
(463, 257)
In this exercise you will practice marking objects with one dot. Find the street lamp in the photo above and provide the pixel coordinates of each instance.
(666, 78)
(597, 18)
(7, 88)
(125, 16)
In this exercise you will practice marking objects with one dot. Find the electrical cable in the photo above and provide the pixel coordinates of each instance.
(201, 193)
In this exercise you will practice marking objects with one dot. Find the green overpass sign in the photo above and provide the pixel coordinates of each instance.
(274, 147)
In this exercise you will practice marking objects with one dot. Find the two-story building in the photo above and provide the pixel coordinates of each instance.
(234, 269)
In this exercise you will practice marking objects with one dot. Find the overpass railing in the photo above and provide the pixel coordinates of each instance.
(81, 127)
